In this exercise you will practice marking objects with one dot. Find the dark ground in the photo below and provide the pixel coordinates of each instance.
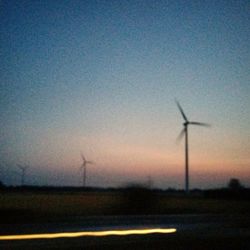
(195, 240)
(215, 219)
(193, 232)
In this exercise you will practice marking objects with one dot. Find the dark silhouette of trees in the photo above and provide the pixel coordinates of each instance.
(234, 184)
(1, 185)
(138, 199)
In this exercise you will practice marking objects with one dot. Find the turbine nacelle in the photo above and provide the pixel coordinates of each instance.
(84, 161)
(186, 123)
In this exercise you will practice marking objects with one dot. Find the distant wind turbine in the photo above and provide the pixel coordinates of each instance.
(83, 168)
(23, 169)
(185, 132)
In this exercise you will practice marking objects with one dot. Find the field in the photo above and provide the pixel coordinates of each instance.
(41, 206)
(202, 222)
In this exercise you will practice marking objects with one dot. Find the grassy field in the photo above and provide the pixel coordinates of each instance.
(18, 206)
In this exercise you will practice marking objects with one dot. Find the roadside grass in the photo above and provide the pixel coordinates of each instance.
(54, 204)
(33, 206)
(201, 205)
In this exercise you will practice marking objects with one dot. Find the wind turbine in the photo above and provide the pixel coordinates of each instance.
(23, 169)
(84, 168)
(185, 132)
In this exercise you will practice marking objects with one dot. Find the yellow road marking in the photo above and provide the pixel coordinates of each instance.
(87, 233)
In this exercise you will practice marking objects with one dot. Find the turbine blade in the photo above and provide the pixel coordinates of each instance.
(90, 162)
(83, 158)
(181, 110)
(200, 124)
(178, 139)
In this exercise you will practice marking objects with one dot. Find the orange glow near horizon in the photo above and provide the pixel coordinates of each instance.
(119, 160)
(88, 233)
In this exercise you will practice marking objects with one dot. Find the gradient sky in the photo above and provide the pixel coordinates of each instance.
(101, 77)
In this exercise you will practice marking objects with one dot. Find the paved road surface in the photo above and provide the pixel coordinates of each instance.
(193, 232)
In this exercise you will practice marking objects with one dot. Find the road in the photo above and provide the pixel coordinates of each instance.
(193, 232)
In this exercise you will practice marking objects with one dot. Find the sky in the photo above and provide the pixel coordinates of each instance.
(101, 78)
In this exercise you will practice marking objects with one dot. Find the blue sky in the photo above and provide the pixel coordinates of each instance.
(101, 77)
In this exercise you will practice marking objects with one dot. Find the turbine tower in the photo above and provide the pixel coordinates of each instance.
(23, 169)
(83, 168)
(185, 132)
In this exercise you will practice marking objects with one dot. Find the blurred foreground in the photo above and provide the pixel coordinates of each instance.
(213, 219)
(46, 204)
